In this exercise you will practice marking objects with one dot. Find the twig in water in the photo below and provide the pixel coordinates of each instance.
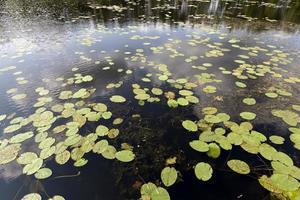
(67, 176)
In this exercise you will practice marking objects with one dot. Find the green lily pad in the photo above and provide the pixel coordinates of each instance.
(168, 176)
(100, 107)
(26, 158)
(57, 197)
(190, 125)
(185, 93)
(147, 189)
(33, 167)
(62, 157)
(192, 99)
(32, 196)
(172, 103)
(276, 139)
(209, 89)
(240, 84)
(248, 115)
(203, 171)
(284, 182)
(157, 91)
(239, 166)
(199, 145)
(249, 101)
(295, 107)
(102, 130)
(9, 153)
(125, 156)
(271, 95)
(110, 152)
(100, 146)
(117, 99)
(80, 93)
(142, 97)
(81, 162)
(182, 101)
(18, 96)
(160, 194)
(21, 137)
(43, 173)
(283, 158)
(214, 150)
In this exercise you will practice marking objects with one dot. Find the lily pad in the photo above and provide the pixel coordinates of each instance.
(203, 171)
(9, 153)
(33, 167)
(168, 176)
(239, 166)
(199, 145)
(160, 194)
(248, 115)
(117, 99)
(276, 139)
(249, 101)
(43, 173)
(32, 196)
(125, 156)
(190, 125)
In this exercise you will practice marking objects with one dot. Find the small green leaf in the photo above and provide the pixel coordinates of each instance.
(203, 171)
(168, 176)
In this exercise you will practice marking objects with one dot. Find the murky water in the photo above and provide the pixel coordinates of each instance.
(199, 54)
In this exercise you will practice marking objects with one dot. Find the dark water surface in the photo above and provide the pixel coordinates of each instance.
(44, 43)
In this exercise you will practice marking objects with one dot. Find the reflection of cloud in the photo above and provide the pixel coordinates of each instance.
(10, 171)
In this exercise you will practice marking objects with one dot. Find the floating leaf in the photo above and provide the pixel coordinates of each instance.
(199, 145)
(142, 97)
(284, 182)
(32, 196)
(186, 92)
(100, 146)
(240, 84)
(33, 167)
(43, 173)
(276, 139)
(239, 166)
(147, 189)
(26, 158)
(125, 155)
(209, 89)
(295, 107)
(63, 157)
(57, 197)
(102, 130)
(18, 96)
(81, 162)
(157, 91)
(160, 194)
(172, 103)
(249, 101)
(190, 125)
(110, 152)
(168, 176)
(203, 171)
(117, 99)
(248, 115)
(214, 150)
(9, 153)
(80, 93)
(271, 95)
(21, 137)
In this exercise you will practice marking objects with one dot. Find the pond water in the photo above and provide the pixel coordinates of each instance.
(152, 100)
